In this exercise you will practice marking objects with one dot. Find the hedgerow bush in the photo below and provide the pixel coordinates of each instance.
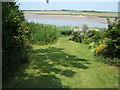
(43, 34)
(113, 40)
(112, 45)
(75, 36)
(64, 30)
(66, 33)
(15, 41)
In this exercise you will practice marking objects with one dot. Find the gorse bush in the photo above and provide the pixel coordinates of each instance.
(43, 34)
(15, 41)
(101, 48)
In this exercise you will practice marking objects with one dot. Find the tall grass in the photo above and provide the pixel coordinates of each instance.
(43, 34)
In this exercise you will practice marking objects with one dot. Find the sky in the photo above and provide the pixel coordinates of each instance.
(97, 5)
(69, 0)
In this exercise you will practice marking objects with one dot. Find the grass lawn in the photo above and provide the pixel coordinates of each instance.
(65, 64)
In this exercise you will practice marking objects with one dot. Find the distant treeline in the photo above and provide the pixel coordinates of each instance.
(75, 10)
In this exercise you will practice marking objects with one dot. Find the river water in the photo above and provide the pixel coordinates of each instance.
(67, 22)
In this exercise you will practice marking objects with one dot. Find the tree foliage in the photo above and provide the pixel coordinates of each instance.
(15, 41)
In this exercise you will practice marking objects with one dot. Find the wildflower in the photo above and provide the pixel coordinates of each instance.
(101, 48)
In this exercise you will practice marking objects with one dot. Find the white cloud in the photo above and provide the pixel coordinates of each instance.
(68, 0)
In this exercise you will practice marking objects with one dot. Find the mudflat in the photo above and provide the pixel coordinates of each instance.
(67, 17)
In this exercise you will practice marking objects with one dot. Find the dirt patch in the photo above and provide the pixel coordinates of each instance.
(110, 67)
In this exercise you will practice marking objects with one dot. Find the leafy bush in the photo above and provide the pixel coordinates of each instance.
(66, 33)
(15, 41)
(113, 33)
(75, 36)
(64, 30)
(112, 40)
(43, 34)
(92, 46)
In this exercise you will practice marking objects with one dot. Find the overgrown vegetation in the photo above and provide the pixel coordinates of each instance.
(113, 40)
(103, 42)
(15, 41)
(43, 34)
(65, 30)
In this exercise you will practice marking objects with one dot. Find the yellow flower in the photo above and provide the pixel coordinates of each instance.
(101, 48)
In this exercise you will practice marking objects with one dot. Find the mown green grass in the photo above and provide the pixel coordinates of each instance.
(65, 64)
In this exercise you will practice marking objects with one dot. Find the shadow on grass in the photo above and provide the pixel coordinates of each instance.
(46, 64)
(42, 81)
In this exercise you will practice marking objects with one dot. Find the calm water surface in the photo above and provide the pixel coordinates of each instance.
(66, 22)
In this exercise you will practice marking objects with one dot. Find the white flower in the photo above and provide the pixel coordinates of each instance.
(96, 30)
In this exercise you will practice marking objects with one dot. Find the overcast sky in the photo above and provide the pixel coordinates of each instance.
(69, 0)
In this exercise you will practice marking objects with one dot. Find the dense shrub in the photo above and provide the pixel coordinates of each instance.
(43, 34)
(113, 40)
(112, 48)
(66, 33)
(75, 36)
(15, 41)
(64, 30)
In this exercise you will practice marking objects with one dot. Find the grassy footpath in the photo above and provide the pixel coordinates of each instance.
(65, 64)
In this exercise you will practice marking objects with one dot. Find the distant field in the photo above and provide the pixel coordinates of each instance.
(104, 15)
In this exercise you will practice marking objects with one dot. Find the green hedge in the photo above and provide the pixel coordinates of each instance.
(113, 35)
(15, 41)
(43, 34)
(64, 30)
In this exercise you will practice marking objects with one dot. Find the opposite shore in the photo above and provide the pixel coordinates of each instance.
(68, 17)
